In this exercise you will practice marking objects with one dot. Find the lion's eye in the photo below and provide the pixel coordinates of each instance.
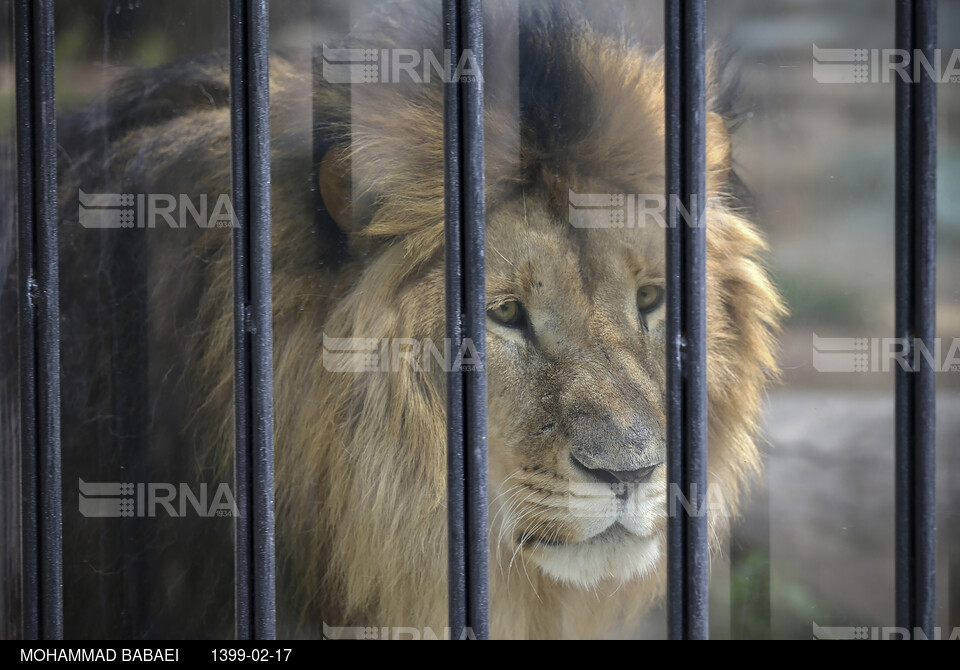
(508, 313)
(649, 298)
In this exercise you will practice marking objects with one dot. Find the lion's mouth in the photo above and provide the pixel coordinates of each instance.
(621, 546)
(611, 533)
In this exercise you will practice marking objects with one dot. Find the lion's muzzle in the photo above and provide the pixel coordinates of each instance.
(605, 450)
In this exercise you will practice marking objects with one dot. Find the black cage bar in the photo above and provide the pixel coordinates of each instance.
(916, 274)
(39, 298)
(687, 552)
(253, 320)
(468, 543)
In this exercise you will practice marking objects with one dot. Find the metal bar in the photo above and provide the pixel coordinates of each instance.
(925, 310)
(466, 322)
(39, 297)
(916, 169)
(456, 480)
(674, 306)
(475, 326)
(953, 542)
(903, 527)
(253, 321)
(687, 574)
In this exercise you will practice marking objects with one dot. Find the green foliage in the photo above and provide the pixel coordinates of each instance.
(814, 299)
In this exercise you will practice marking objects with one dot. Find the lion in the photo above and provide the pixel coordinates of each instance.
(575, 331)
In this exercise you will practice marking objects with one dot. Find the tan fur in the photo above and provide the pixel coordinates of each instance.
(360, 465)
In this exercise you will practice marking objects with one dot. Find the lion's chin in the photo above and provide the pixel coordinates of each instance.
(613, 555)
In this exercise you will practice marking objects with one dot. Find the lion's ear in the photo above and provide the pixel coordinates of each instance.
(335, 182)
(719, 150)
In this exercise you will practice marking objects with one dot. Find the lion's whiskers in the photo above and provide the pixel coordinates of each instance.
(505, 513)
(523, 561)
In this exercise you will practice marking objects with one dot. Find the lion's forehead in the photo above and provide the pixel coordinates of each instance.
(539, 251)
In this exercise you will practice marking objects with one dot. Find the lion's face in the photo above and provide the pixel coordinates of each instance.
(575, 337)
(577, 423)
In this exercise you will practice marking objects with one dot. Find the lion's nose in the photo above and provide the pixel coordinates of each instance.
(638, 476)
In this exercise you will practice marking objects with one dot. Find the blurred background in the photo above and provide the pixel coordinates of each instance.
(818, 160)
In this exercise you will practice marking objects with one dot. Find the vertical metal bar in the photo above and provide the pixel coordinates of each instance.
(39, 297)
(687, 577)
(466, 322)
(903, 527)
(475, 325)
(953, 542)
(29, 448)
(925, 309)
(674, 302)
(916, 138)
(253, 320)
(456, 481)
